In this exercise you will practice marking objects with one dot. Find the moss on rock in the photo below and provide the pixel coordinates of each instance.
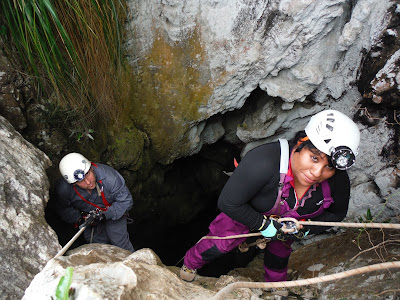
(170, 84)
(127, 150)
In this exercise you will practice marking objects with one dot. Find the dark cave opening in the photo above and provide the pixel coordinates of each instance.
(198, 179)
(170, 239)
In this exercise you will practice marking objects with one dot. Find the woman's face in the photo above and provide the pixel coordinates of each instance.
(89, 182)
(309, 168)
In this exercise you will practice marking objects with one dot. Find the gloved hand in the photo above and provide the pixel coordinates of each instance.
(96, 217)
(273, 230)
(80, 221)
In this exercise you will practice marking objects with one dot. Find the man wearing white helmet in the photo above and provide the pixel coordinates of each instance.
(88, 188)
(303, 179)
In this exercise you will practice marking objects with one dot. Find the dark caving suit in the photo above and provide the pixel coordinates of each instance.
(251, 192)
(72, 201)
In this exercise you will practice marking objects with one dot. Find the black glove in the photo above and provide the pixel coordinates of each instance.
(80, 221)
(95, 218)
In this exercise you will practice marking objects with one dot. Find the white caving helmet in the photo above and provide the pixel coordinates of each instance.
(335, 134)
(73, 167)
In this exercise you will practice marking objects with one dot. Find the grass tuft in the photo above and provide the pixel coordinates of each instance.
(72, 48)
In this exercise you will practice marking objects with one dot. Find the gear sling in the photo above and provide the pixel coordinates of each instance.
(277, 253)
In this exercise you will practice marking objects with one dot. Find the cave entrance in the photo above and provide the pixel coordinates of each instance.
(160, 232)
(199, 178)
(171, 240)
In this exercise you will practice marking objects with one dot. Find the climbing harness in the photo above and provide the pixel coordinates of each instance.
(100, 192)
(264, 285)
(281, 207)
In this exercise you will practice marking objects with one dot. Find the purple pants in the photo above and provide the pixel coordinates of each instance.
(207, 250)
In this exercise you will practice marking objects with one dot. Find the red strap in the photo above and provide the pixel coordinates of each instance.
(102, 194)
(105, 202)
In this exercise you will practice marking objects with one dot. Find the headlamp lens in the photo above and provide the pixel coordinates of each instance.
(79, 175)
(342, 158)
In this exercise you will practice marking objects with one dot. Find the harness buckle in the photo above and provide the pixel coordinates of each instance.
(291, 226)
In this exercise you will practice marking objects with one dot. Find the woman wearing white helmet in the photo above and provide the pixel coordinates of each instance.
(336, 135)
(88, 188)
(305, 179)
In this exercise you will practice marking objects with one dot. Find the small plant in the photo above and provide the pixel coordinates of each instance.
(63, 287)
(87, 132)
(367, 218)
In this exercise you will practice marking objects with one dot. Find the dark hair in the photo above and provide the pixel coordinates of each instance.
(306, 144)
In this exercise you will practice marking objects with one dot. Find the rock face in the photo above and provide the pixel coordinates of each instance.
(245, 72)
(107, 272)
(27, 242)
(286, 60)
(291, 50)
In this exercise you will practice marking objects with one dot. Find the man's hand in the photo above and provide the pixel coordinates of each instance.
(95, 218)
(80, 221)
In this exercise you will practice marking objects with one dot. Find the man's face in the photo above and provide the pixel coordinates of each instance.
(89, 182)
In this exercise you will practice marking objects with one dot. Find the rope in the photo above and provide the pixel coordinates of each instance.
(358, 225)
(237, 236)
(91, 235)
(65, 248)
(264, 285)
(312, 223)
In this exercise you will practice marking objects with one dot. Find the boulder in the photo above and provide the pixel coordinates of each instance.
(27, 242)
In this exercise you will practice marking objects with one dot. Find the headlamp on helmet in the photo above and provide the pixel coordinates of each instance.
(336, 135)
(74, 166)
(79, 175)
(342, 158)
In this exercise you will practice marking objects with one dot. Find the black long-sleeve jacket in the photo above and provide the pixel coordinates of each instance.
(253, 188)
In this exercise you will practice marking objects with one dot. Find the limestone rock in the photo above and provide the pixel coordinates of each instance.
(222, 51)
(26, 242)
(347, 251)
(106, 272)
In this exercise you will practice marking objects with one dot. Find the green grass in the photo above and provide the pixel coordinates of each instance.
(71, 48)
